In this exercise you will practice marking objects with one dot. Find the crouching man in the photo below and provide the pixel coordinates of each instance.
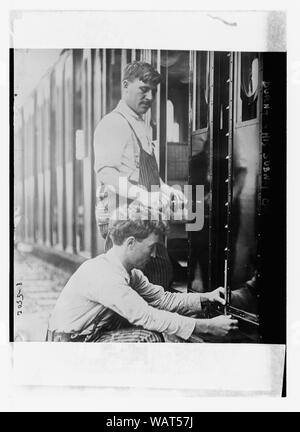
(108, 299)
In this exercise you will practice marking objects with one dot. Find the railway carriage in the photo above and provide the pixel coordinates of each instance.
(210, 124)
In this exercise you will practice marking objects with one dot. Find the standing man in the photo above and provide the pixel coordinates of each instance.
(125, 163)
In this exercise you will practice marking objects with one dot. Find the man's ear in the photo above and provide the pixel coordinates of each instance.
(130, 242)
(125, 84)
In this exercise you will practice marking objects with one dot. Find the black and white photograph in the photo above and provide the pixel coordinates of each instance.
(148, 191)
(143, 187)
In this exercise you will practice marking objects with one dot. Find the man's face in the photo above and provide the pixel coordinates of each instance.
(138, 95)
(141, 251)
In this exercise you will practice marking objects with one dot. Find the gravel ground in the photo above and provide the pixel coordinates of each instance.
(37, 285)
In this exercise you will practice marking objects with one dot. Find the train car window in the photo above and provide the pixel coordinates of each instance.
(113, 74)
(249, 85)
(202, 89)
(177, 116)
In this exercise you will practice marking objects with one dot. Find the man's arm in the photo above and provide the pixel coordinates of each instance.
(113, 293)
(156, 296)
(219, 326)
(183, 303)
(112, 138)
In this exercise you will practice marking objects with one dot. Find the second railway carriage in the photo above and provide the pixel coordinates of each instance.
(210, 123)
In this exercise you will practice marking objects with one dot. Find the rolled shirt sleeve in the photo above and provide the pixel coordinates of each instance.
(110, 139)
(116, 295)
(156, 296)
(114, 151)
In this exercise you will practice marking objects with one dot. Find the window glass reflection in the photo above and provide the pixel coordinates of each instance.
(202, 89)
(249, 85)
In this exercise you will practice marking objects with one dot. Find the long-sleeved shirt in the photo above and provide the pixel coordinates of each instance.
(102, 288)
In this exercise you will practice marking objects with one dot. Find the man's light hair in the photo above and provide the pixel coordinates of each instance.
(136, 220)
(142, 71)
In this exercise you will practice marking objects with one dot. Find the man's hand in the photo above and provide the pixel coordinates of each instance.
(159, 200)
(179, 196)
(219, 326)
(156, 200)
(216, 296)
(222, 325)
(171, 192)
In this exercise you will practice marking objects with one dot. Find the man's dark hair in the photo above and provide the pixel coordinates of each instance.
(142, 71)
(137, 221)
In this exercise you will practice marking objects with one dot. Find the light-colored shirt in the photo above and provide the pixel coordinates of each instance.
(116, 146)
(102, 287)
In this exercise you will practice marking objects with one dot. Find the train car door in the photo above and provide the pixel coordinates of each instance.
(174, 148)
(210, 166)
(226, 161)
(246, 181)
(200, 168)
(221, 206)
